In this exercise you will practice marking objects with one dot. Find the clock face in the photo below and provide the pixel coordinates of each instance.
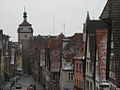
(25, 29)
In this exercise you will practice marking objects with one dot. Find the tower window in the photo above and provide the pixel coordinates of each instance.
(25, 36)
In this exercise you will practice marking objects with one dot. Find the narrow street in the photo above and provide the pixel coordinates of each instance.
(25, 81)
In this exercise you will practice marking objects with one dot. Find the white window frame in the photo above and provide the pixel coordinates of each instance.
(69, 75)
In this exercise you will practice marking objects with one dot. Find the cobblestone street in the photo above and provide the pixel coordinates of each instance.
(25, 81)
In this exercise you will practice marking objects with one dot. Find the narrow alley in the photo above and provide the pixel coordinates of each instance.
(25, 82)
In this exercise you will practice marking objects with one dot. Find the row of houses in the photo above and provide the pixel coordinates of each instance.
(51, 56)
(99, 67)
(84, 61)
(10, 58)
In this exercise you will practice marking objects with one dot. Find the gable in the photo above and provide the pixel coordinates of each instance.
(105, 13)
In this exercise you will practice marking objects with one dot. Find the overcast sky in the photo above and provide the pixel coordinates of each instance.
(45, 14)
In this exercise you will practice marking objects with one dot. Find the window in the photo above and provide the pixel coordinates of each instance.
(18, 65)
(76, 67)
(87, 66)
(18, 58)
(91, 86)
(79, 83)
(90, 67)
(25, 36)
(70, 76)
(80, 68)
(97, 70)
(96, 88)
(75, 82)
(55, 76)
(87, 85)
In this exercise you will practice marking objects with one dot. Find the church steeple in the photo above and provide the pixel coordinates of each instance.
(25, 15)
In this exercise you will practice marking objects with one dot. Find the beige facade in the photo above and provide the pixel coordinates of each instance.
(62, 80)
(24, 36)
(89, 83)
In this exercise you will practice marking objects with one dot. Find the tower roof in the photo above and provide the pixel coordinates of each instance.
(25, 23)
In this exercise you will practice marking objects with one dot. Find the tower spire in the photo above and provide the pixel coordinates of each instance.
(88, 17)
(24, 9)
(25, 14)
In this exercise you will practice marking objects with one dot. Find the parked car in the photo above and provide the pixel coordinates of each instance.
(19, 72)
(18, 86)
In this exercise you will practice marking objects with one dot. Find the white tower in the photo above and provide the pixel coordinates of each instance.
(25, 31)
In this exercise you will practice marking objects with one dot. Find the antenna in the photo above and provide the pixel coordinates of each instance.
(24, 8)
(50, 32)
(53, 26)
(64, 27)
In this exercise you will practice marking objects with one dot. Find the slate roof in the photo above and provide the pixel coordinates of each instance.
(92, 25)
(105, 13)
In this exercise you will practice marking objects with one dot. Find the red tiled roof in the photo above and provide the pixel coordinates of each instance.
(81, 53)
(25, 23)
(73, 47)
(55, 46)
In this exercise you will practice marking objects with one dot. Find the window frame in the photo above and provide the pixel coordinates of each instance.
(70, 76)
(80, 67)
(76, 67)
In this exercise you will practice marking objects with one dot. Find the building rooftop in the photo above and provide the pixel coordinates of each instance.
(105, 13)
(55, 46)
(70, 50)
(25, 23)
(81, 54)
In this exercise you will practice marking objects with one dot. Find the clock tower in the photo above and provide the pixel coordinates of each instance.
(25, 31)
